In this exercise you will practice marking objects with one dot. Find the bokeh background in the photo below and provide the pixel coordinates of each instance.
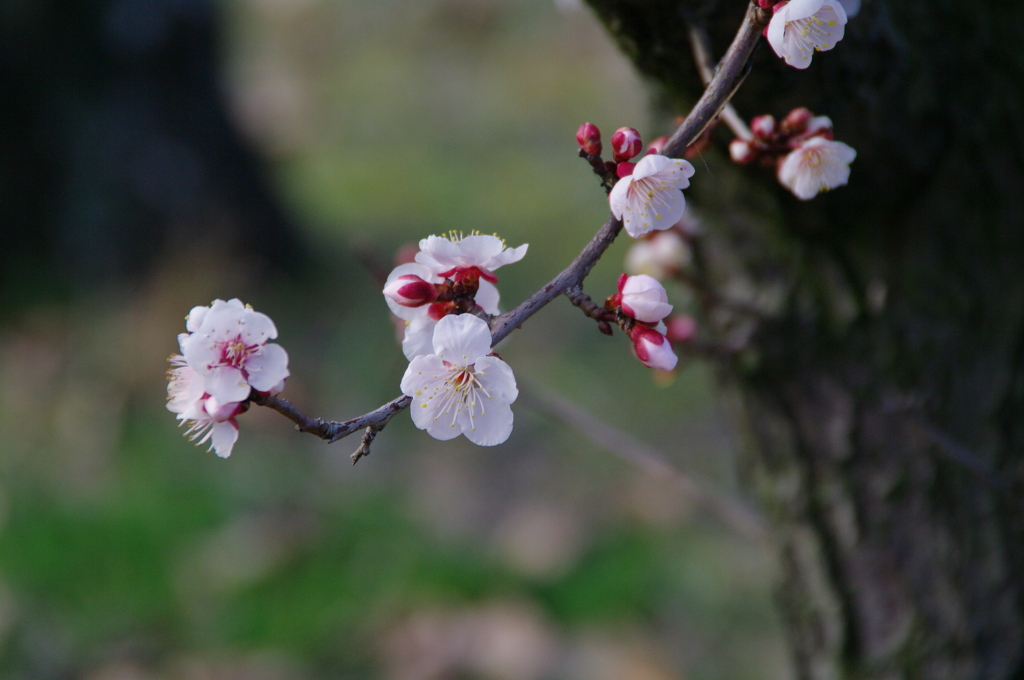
(156, 154)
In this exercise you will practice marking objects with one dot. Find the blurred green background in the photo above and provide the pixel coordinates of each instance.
(127, 553)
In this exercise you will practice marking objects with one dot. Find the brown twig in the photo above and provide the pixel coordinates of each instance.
(727, 78)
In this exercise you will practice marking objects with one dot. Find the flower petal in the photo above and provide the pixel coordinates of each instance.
(224, 437)
(489, 426)
(257, 328)
(487, 297)
(227, 383)
(497, 378)
(507, 256)
(419, 337)
(462, 339)
(476, 250)
(267, 367)
(409, 313)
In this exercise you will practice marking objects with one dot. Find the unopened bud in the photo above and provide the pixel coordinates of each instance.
(657, 145)
(589, 139)
(763, 127)
(796, 120)
(766, 4)
(626, 143)
(411, 291)
(624, 169)
(741, 151)
(681, 328)
(652, 348)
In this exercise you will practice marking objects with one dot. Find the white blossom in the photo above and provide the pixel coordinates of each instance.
(229, 347)
(802, 26)
(454, 255)
(817, 165)
(651, 199)
(460, 388)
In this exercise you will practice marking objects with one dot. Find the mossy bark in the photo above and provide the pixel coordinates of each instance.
(882, 383)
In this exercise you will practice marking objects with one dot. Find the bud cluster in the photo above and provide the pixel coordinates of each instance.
(640, 307)
(773, 140)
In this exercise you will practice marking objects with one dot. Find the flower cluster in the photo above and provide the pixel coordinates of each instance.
(452, 274)
(648, 194)
(452, 277)
(225, 355)
(642, 305)
(807, 159)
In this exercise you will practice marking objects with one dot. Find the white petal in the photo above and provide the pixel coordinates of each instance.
(257, 328)
(497, 378)
(227, 383)
(617, 197)
(478, 249)
(195, 318)
(851, 7)
(421, 372)
(438, 254)
(507, 256)
(487, 296)
(201, 352)
(224, 437)
(650, 164)
(419, 337)
(267, 367)
(801, 9)
(488, 427)
(462, 339)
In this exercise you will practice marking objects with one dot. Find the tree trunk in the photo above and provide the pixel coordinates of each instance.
(882, 382)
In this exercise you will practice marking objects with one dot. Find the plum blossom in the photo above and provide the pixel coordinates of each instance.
(455, 256)
(816, 165)
(800, 27)
(468, 261)
(660, 254)
(228, 347)
(461, 388)
(652, 348)
(650, 198)
(643, 298)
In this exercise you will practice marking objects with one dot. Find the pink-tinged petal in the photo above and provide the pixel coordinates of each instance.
(507, 256)
(777, 31)
(201, 352)
(851, 7)
(224, 437)
(618, 195)
(487, 297)
(490, 425)
(267, 367)
(419, 336)
(653, 349)
(195, 318)
(497, 378)
(221, 412)
(462, 339)
(227, 383)
(409, 269)
(182, 339)
(224, 321)
(257, 328)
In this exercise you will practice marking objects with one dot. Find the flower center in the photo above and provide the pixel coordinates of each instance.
(235, 352)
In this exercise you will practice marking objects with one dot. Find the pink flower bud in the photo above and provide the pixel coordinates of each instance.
(765, 4)
(657, 145)
(589, 138)
(763, 127)
(680, 328)
(411, 291)
(741, 151)
(626, 143)
(796, 120)
(643, 298)
(624, 169)
(652, 348)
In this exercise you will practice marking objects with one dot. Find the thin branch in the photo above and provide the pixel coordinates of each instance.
(730, 512)
(726, 80)
(705, 65)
